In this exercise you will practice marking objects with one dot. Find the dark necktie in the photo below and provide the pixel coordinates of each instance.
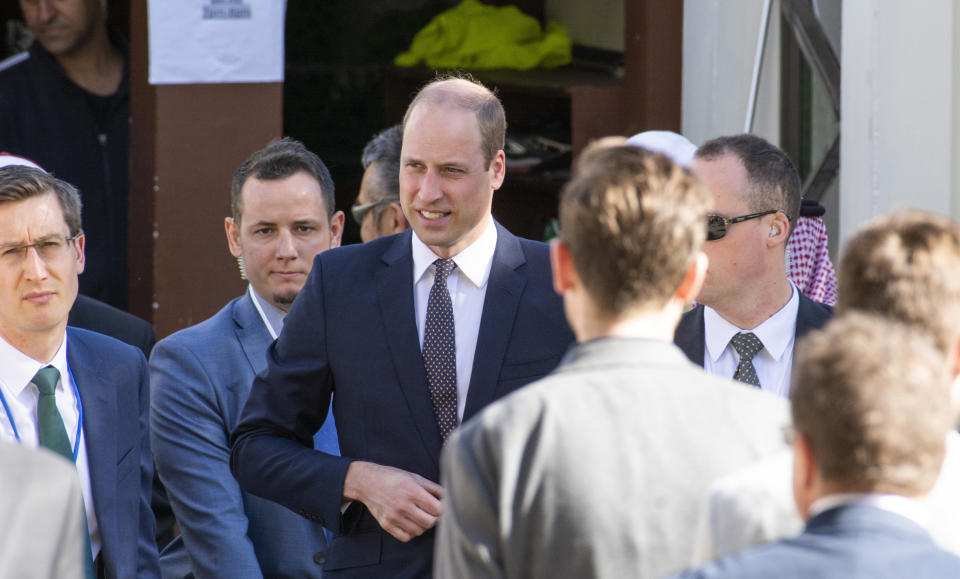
(52, 435)
(50, 431)
(440, 350)
(747, 345)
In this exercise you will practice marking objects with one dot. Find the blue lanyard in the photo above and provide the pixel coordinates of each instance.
(76, 391)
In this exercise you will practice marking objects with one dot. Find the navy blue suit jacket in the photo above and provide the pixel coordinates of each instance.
(352, 331)
(847, 542)
(200, 380)
(689, 336)
(114, 388)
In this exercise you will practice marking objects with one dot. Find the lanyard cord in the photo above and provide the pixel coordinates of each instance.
(76, 391)
(263, 316)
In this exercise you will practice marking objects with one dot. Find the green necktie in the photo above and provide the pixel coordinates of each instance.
(50, 430)
(52, 434)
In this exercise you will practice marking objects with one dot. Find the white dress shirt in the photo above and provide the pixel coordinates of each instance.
(899, 505)
(773, 363)
(16, 371)
(467, 285)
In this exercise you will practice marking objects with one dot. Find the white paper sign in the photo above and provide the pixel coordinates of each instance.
(201, 41)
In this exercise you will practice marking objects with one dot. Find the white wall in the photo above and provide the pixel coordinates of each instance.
(719, 44)
(900, 109)
(955, 130)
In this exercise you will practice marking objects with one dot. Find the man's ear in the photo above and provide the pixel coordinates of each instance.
(79, 245)
(561, 264)
(232, 229)
(806, 475)
(336, 229)
(779, 230)
(693, 280)
(498, 169)
(955, 385)
(393, 220)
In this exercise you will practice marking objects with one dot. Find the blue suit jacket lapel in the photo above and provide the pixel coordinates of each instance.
(504, 289)
(99, 433)
(255, 339)
(251, 333)
(395, 296)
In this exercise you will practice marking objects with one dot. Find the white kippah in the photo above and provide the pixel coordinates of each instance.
(6, 160)
(677, 147)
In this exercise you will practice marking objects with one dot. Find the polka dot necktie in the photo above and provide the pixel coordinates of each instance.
(747, 345)
(440, 350)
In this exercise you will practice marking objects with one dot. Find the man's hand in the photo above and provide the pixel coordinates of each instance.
(405, 504)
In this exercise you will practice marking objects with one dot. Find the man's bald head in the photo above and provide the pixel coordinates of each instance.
(471, 95)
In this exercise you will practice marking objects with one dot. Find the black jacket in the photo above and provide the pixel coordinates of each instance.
(690, 334)
(82, 139)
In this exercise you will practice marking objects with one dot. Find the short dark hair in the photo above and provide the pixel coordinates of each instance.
(468, 93)
(871, 396)
(384, 150)
(281, 158)
(18, 183)
(634, 222)
(774, 181)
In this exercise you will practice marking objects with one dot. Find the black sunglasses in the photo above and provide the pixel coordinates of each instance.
(717, 224)
(359, 211)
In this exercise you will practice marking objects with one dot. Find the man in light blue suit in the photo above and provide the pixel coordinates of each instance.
(282, 203)
(78, 393)
(871, 409)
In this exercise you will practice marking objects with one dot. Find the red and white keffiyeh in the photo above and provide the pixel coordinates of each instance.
(810, 265)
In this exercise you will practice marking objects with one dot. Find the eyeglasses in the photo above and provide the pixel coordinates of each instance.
(49, 250)
(717, 224)
(360, 211)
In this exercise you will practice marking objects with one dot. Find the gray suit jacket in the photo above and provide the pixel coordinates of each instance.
(200, 380)
(41, 509)
(597, 470)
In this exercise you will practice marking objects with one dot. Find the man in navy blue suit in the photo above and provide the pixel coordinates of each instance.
(282, 199)
(871, 408)
(81, 394)
(413, 333)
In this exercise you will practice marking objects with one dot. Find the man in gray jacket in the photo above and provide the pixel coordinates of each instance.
(598, 469)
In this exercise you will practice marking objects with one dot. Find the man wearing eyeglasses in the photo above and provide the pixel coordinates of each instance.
(282, 199)
(749, 314)
(377, 210)
(80, 394)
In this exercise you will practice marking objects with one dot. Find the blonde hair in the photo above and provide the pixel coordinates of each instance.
(905, 266)
(872, 397)
(634, 222)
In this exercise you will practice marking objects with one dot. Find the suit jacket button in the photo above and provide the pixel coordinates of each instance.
(319, 558)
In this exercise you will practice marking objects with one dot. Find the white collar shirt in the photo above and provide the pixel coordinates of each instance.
(20, 398)
(900, 505)
(467, 285)
(773, 363)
